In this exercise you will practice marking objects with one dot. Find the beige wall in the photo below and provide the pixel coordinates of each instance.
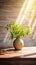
(9, 10)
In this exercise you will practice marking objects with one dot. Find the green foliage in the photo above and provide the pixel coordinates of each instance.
(18, 30)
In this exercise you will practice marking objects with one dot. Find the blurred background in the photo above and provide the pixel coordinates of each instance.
(17, 11)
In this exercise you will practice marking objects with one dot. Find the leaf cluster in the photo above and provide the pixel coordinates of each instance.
(18, 30)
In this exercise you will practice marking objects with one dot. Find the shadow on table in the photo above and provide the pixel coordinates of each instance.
(4, 51)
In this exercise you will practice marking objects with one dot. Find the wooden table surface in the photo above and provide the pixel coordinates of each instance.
(26, 52)
(10, 56)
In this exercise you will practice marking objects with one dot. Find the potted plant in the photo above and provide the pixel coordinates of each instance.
(18, 31)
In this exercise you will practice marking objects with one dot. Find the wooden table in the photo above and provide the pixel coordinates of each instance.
(25, 56)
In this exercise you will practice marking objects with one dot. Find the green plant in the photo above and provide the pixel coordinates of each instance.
(19, 30)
